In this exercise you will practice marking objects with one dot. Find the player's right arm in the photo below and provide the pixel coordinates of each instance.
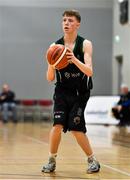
(50, 71)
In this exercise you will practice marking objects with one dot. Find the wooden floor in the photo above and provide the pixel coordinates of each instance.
(24, 149)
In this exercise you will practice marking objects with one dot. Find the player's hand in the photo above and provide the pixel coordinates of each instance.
(70, 56)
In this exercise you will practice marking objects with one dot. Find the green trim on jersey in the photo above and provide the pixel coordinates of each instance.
(71, 77)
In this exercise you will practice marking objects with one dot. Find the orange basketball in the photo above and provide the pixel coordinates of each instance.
(56, 56)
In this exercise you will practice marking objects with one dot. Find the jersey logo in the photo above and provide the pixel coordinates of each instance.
(67, 75)
(73, 75)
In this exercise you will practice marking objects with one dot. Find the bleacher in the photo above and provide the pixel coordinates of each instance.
(33, 109)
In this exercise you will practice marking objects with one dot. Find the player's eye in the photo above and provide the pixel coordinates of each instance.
(64, 20)
(70, 20)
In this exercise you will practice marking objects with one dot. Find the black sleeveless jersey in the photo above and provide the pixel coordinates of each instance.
(71, 77)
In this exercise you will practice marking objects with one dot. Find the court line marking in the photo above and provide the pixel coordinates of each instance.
(115, 169)
(35, 139)
(107, 166)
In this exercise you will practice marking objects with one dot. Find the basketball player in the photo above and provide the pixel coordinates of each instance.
(71, 92)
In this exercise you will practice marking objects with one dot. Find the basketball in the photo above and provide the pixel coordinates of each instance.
(56, 56)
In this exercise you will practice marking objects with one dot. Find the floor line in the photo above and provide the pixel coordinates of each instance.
(115, 169)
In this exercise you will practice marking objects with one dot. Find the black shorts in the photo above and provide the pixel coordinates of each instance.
(69, 110)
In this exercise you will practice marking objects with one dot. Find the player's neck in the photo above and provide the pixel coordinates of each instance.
(70, 38)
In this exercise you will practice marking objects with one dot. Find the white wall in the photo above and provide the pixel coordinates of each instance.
(27, 27)
(122, 47)
(59, 3)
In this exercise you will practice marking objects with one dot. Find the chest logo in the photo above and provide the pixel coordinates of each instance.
(67, 75)
(71, 75)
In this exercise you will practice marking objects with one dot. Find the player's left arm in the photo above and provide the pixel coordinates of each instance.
(85, 67)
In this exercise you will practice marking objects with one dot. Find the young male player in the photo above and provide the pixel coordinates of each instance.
(72, 92)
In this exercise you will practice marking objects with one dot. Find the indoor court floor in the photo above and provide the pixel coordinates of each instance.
(24, 149)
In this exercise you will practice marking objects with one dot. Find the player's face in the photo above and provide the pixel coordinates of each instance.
(70, 24)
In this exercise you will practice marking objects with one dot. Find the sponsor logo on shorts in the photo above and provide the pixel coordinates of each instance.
(59, 112)
(77, 120)
(79, 112)
(57, 116)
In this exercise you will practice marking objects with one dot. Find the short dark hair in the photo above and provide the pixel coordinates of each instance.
(72, 13)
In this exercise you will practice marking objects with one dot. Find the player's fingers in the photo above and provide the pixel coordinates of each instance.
(70, 61)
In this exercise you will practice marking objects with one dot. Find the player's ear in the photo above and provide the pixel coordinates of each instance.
(78, 25)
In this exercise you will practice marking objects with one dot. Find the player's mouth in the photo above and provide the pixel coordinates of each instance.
(66, 28)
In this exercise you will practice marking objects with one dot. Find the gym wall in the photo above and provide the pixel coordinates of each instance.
(28, 27)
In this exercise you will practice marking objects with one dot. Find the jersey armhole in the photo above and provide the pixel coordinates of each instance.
(52, 44)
